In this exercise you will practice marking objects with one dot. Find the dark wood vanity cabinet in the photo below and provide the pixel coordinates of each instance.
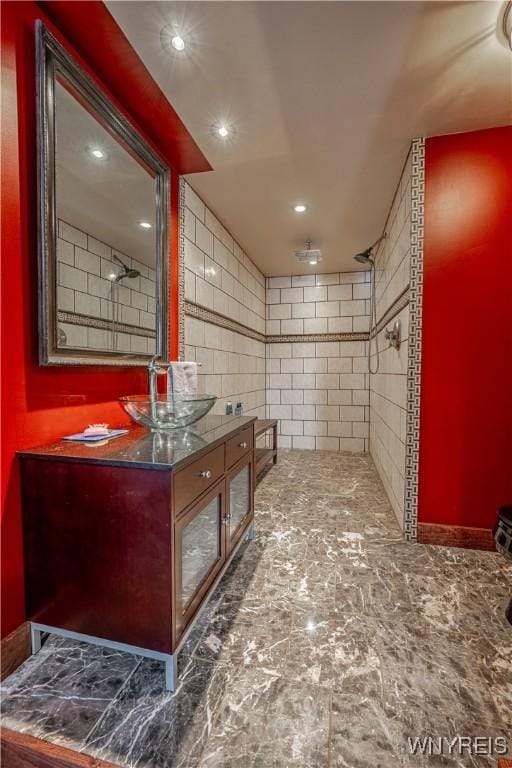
(124, 542)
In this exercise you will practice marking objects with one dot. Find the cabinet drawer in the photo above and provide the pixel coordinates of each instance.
(239, 445)
(190, 482)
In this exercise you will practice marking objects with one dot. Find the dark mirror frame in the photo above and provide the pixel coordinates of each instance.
(52, 59)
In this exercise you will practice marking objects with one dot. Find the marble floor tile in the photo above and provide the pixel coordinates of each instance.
(362, 733)
(337, 653)
(372, 592)
(262, 645)
(244, 609)
(269, 721)
(494, 659)
(398, 557)
(62, 692)
(315, 585)
(484, 566)
(464, 606)
(328, 642)
(149, 726)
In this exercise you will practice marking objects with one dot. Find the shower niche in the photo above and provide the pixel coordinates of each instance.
(103, 223)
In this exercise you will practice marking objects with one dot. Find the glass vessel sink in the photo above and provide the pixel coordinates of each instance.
(163, 413)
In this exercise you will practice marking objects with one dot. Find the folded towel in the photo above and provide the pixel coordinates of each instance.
(182, 379)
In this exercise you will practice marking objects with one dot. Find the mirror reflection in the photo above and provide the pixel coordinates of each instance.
(106, 247)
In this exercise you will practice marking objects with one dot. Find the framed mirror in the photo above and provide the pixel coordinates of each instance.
(103, 224)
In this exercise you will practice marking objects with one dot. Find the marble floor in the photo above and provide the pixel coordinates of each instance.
(328, 642)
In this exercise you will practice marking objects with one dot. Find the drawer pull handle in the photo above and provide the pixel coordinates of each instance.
(242, 445)
(206, 474)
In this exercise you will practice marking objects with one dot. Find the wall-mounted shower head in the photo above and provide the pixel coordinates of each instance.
(128, 272)
(367, 256)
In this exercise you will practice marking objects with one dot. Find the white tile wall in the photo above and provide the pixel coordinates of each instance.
(83, 268)
(220, 276)
(318, 390)
(388, 388)
(321, 392)
(336, 303)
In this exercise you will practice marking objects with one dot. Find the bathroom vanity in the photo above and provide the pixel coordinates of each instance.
(125, 540)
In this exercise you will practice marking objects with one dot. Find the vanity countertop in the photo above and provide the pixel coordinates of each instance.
(145, 449)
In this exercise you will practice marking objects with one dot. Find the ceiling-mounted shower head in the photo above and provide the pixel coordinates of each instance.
(311, 255)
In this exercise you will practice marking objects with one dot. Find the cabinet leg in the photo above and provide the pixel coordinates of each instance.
(35, 639)
(171, 672)
(250, 533)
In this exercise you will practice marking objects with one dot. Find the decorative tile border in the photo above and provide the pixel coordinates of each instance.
(209, 316)
(75, 318)
(316, 337)
(414, 353)
(181, 272)
(396, 307)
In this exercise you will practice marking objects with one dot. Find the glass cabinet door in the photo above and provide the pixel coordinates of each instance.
(199, 553)
(239, 501)
(200, 549)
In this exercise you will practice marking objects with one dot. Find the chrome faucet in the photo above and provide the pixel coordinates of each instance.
(156, 368)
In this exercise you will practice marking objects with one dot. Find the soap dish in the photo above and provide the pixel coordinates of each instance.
(81, 438)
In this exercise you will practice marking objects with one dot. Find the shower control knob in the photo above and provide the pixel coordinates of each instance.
(393, 335)
(206, 474)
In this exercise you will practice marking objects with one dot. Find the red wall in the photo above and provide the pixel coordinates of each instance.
(40, 404)
(466, 381)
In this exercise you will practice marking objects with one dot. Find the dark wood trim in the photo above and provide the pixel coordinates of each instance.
(263, 456)
(15, 648)
(184, 614)
(456, 536)
(19, 750)
(233, 538)
(263, 425)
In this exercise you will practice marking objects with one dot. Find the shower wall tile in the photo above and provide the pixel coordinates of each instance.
(338, 305)
(220, 277)
(388, 388)
(318, 390)
(84, 266)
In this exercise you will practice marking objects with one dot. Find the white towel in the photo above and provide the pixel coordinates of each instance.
(182, 379)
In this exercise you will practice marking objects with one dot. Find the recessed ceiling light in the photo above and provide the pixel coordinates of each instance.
(313, 262)
(223, 131)
(97, 152)
(178, 43)
(145, 224)
(300, 208)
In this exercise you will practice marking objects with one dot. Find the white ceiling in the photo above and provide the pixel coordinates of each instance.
(325, 98)
(105, 197)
